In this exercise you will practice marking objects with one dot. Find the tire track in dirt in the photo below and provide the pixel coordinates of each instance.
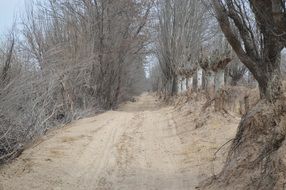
(136, 147)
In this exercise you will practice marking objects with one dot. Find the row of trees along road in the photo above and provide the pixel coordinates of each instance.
(179, 31)
(191, 50)
(189, 39)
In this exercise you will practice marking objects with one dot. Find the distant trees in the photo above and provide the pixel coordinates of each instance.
(189, 41)
(179, 40)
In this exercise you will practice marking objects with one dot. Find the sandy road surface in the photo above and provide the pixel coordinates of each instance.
(134, 148)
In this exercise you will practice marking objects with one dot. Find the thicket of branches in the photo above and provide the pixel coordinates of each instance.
(68, 59)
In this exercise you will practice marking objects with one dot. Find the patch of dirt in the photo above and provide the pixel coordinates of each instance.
(206, 136)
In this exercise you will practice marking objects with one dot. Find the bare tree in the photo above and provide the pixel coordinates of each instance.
(260, 51)
(256, 31)
(8, 59)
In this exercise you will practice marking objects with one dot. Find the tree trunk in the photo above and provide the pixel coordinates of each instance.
(174, 89)
(182, 88)
(233, 82)
(195, 82)
(226, 76)
(204, 80)
(270, 83)
(187, 83)
(219, 94)
(117, 93)
(219, 80)
(209, 83)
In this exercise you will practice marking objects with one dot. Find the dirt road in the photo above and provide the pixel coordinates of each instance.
(134, 148)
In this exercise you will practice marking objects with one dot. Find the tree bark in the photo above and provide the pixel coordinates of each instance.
(219, 80)
(181, 81)
(219, 94)
(204, 80)
(174, 89)
(195, 81)
(226, 76)
(187, 83)
(270, 82)
(209, 80)
(233, 82)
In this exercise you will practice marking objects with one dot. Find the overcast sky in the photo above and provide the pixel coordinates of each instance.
(8, 10)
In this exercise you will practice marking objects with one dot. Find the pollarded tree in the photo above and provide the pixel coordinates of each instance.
(221, 57)
(259, 51)
(179, 38)
(205, 64)
(256, 30)
(214, 66)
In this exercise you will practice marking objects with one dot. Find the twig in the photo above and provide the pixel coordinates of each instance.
(214, 157)
(222, 147)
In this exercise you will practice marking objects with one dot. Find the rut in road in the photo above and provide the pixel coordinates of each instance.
(135, 147)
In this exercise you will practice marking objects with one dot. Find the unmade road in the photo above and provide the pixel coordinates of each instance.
(133, 148)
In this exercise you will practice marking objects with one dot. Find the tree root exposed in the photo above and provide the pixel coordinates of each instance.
(256, 159)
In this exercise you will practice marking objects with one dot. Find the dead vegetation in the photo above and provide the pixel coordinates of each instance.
(67, 60)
